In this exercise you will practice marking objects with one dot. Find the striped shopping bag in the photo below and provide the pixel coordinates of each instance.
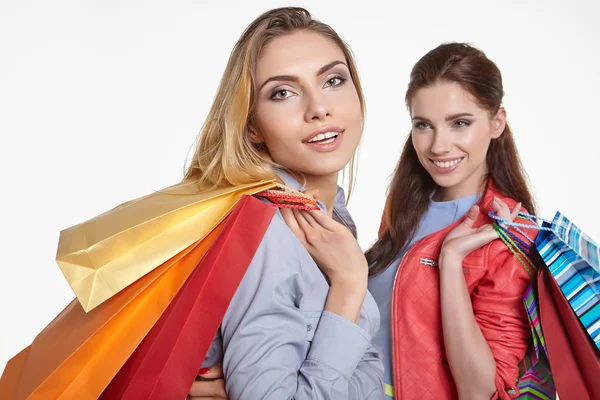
(573, 260)
(568, 285)
(535, 382)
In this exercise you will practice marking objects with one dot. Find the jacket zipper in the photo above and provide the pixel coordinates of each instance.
(395, 359)
(426, 261)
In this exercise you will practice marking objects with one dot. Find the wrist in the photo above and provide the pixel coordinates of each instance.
(350, 283)
(346, 300)
(450, 259)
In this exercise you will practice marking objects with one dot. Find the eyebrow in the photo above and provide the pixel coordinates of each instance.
(291, 78)
(448, 118)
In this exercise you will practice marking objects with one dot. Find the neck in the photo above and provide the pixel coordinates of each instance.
(324, 187)
(472, 185)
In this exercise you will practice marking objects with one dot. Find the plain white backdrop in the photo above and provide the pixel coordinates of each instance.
(100, 102)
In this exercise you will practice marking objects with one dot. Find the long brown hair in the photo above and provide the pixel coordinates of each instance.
(411, 185)
(224, 154)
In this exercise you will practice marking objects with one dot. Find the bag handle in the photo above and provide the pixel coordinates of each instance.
(284, 197)
(523, 215)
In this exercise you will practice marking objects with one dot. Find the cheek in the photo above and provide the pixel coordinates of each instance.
(274, 124)
(347, 103)
(421, 143)
(476, 145)
(474, 140)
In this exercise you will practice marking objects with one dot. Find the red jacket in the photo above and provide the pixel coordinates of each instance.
(496, 282)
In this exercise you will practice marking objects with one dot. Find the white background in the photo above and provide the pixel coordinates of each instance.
(101, 100)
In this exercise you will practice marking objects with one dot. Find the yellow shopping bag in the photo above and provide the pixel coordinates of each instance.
(104, 255)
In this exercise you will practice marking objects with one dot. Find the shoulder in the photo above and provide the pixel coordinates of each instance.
(281, 257)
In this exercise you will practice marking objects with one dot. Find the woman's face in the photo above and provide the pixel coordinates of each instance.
(451, 134)
(308, 111)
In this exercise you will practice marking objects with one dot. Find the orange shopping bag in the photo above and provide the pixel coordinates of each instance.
(78, 353)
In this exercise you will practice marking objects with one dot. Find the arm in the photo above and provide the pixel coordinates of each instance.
(469, 356)
(485, 335)
(501, 316)
(266, 351)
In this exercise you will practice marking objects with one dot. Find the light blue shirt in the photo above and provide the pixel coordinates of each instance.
(439, 215)
(277, 342)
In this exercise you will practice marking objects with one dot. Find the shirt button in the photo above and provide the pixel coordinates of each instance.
(308, 328)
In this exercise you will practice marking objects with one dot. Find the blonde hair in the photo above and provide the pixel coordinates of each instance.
(224, 155)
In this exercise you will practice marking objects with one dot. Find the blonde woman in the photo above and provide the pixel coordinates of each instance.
(290, 106)
(300, 77)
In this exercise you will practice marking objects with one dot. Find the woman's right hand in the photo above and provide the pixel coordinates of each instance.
(213, 388)
(336, 251)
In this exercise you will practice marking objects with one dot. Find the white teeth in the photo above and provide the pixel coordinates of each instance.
(323, 136)
(447, 164)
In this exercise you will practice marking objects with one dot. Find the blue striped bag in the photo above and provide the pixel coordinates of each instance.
(573, 260)
(535, 382)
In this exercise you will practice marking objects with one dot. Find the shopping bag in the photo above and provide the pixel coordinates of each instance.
(567, 286)
(104, 255)
(165, 364)
(535, 377)
(573, 258)
(78, 353)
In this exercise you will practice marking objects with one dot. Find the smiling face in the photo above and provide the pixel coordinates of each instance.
(308, 112)
(451, 134)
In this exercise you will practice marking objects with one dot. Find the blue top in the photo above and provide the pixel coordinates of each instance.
(277, 342)
(439, 215)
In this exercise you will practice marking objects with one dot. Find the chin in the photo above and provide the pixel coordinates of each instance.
(446, 181)
(321, 168)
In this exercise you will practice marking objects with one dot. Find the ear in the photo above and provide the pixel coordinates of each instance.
(498, 123)
(255, 136)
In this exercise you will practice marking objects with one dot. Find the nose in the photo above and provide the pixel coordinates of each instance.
(317, 108)
(441, 143)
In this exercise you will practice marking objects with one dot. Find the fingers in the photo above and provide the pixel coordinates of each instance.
(323, 220)
(515, 212)
(214, 372)
(484, 235)
(504, 212)
(302, 222)
(309, 218)
(501, 209)
(209, 389)
(290, 220)
(471, 216)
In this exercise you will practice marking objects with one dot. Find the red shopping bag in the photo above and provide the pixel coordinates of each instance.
(165, 364)
(573, 357)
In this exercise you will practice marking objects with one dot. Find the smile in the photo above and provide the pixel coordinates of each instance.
(448, 163)
(324, 138)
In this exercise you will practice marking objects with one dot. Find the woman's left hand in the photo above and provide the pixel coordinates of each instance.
(464, 239)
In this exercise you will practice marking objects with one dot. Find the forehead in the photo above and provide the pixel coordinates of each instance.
(300, 53)
(443, 98)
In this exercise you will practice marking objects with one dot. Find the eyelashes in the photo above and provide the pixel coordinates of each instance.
(336, 81)
(331, 82)
(280, 94)
(461, 123)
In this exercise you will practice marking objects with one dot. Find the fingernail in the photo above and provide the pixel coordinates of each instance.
(203, 371)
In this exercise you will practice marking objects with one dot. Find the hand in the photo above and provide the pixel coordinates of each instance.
(464, 239)
(331, 245)
(213, 389)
